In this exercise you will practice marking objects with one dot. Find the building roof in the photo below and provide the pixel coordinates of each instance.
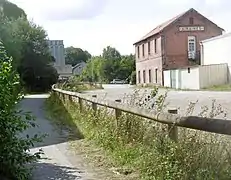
(79, 64)
(164, 25)
(217, 37)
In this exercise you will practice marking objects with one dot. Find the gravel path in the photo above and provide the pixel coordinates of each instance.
(58, 163)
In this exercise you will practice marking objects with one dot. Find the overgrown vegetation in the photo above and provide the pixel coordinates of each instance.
(143, 146)
(14, 155)
(111, 65)
(74, 84)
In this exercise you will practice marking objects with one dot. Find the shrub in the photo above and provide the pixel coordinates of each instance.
(14, 156)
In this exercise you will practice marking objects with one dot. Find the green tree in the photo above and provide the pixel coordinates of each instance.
(109, 66)
(94, 71)
(126, 67)
(11, 10)
(14, 155)
(110, 53)
(74, 55)
(27, 44)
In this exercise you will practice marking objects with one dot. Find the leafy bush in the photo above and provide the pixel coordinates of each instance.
(74, 84)
(14, 155)
(145, 147)
(133, 77)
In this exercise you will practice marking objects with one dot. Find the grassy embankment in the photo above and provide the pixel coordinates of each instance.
(140, 148)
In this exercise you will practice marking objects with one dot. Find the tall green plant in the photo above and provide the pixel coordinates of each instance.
(14, 155)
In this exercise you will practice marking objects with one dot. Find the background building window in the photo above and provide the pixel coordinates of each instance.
(150, 75)
(143, 49)
(138, 51)
(155, 45)
(139, 77)
(144, 77)
(156, 75)
(149, 48)
(191, 47)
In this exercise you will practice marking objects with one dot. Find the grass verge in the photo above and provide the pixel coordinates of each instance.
(225, 87)
(142, 148)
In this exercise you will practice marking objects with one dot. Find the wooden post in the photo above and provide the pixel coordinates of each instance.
(94, 107)
(118, 112)
(80, 104)
(63, 96)
(70, 98)
(172, 129)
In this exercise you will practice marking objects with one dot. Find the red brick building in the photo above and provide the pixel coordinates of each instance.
(173, 44)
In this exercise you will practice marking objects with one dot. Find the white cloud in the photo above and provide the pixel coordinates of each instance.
(119, 22)
(62, 10)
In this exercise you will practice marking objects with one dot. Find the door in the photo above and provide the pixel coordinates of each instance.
(191, 47)
(173, 78)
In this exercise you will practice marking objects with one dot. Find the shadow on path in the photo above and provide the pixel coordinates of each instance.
(49, 171)
(35, 105)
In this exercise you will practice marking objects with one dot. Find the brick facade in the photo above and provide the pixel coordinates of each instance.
(167, 47)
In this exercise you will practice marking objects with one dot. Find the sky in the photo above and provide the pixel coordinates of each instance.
(94, 24)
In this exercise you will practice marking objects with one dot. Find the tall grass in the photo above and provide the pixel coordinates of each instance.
(143, 146)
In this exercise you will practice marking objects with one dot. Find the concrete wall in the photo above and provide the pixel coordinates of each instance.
(184, 78)
(197, 77)
(190, 78)
(216, 74)
(216, 50)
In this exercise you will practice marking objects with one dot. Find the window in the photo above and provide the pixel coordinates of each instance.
(138, 51)
(155, 45)
(143, 49)
(139, 77)
(191, 47)
(149, 48)
(150, 75)
(156, 75)
(144, 77)
(191, 21)
(188, 70)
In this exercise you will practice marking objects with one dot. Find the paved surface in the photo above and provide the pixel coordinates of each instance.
(58, 162)
(176, 99)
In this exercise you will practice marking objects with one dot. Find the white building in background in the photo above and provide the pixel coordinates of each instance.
(58, 52)
(217, 50)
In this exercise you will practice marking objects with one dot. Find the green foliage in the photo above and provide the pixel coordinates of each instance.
(74, 55)
(111, 53)
(133, 77)
(26, 43)
(11, 10)
(111, 65)
(145, 147)
(14, 155)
